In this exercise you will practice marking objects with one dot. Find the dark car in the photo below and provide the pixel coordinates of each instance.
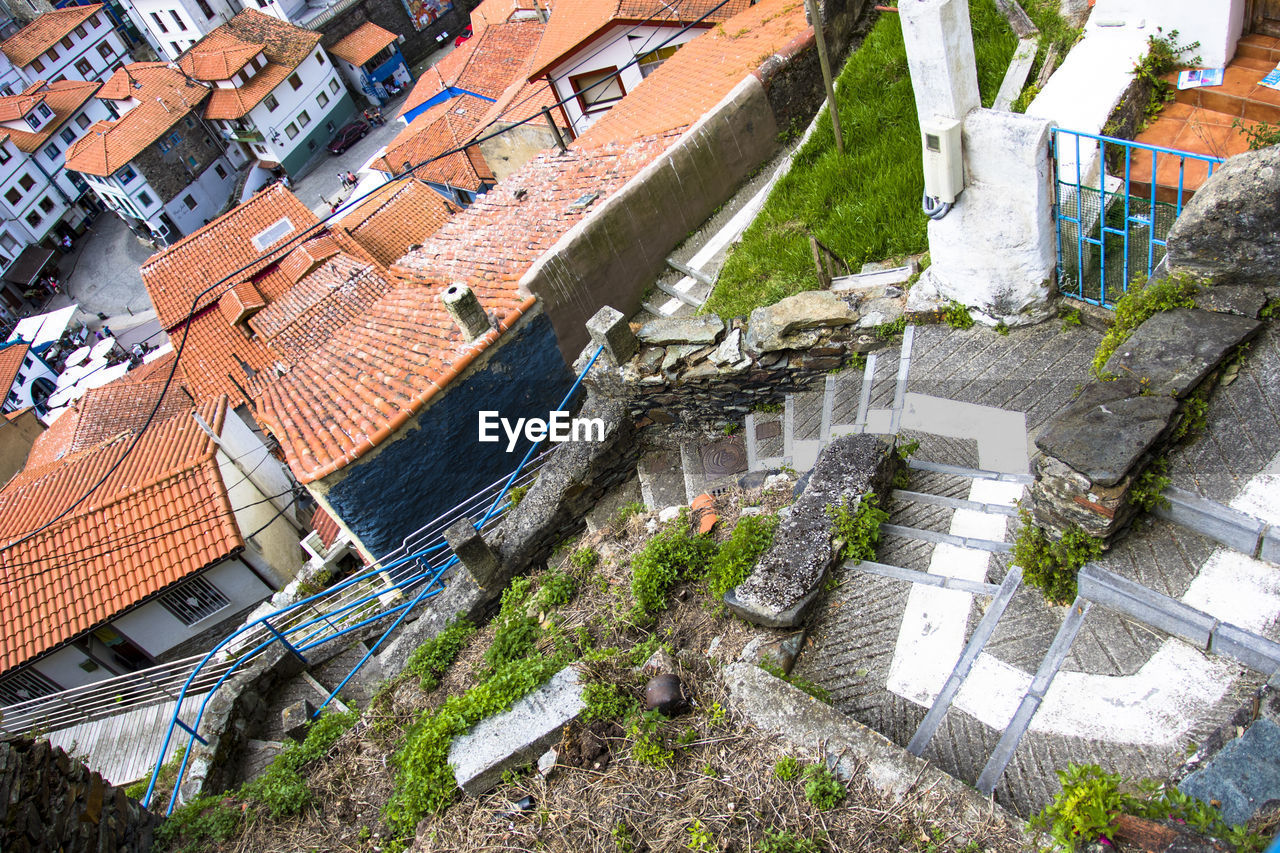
(348, 135)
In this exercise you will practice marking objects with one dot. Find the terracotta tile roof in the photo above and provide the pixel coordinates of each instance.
(396, 216)
(175, 275)
(285, 45)
(367, 380)
(218, 56)
(161, 516)
(444, 127)
(14, 107)
(577, 22)
(11, 356)
(362, 44)
(336, 293)
(309, 255)
(240, 302)
(44, 32)
(485, 64)
(492, 12)
(165, 97)
(701, 73)
(63, 97)
(324, 525)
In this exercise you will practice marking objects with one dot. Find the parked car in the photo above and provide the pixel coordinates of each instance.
(462, 36)
(349, 134)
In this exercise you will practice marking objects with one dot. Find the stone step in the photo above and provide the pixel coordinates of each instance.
(954, 503)
(763, 436)
(923, 578)
(971, 473)
(946, 538)
(1258, 47)
(662, 481)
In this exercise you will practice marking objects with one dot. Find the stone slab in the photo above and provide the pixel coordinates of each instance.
(1106, 429)
(1243, 299)
(786, 324)
(1174, 350)
(1243, 775)
(518, 736)
(701, 329)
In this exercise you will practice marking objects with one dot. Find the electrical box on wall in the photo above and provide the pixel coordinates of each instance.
(943, 159)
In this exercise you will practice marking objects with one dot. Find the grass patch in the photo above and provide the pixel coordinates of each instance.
(430, 660)
(737, 555)
(672, 555)
(865, 205)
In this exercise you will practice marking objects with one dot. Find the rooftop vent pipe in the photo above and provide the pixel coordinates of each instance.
(466, 311)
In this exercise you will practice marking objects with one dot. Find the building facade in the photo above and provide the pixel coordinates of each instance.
(75, 43)
(371, 61)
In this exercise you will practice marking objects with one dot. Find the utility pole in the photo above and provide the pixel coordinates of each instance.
(816, 18)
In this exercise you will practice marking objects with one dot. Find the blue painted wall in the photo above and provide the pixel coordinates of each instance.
(436, 466)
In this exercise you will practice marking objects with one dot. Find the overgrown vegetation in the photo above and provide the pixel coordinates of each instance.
(1145, 491)
(858, 528)
(1056, 38)
(1091, 799)
(1164, 55)
(1260, 134)
(1051, 566)
(822, 788)
(958, 316)
(736, 556)
(1141, 302)
(279, 792)
(865, 205)
(673, 554)
(430, 660)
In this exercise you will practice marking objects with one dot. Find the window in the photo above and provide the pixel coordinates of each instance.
(6, 90)
(22, 377)
(67, 42)
(174, 46)
(26, 182)
(53, 53)
(93, 22)
(6, 240)
(320, 57)
(193, 162)
(27, 362)
(261, 149)
(177, 19)
(204, 7)
(189, 122)
(126, 174)
(84, 67)
(189, 201)
(194, 600)
(82, 120)
(68, 135)
(81, 32)
(155, 16)
(46, 204)
(271, 103)
(36, 65)
(44, 110)
(322, 99)
(295, 81)
(5, 156)
(222, 173)
(144, 198)
(650, 61)
(174, 139)
(34, 219)
(104, 49)
(291, 130)
(13, 196)
(304, 119)
(51, 151)
(333, 86)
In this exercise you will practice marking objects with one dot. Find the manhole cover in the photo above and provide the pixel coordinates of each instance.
(724, 458)
(768, 429)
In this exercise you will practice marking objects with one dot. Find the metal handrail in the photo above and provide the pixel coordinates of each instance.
(432, 584)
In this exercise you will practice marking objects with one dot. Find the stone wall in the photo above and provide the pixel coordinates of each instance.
(391, 15)
(50, 801)
(169, 173)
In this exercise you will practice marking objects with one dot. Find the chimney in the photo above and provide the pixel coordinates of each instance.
(466, 311)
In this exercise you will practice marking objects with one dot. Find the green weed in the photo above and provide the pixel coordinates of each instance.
(737, 555)
(1052, 566)
(672, 555)
(821, 787)
(431, 659)
(1138, 304)
(858, 528)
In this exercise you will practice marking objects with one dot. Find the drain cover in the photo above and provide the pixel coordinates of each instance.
(724, 458)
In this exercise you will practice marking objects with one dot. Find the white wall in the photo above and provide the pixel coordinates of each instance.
(28, 200)
(63, 667)
(316, 78)
(93, 110)
(209, 192)
(156, 630)
(19, 395)
(613, 50)
(1216, 25)
(195, 24)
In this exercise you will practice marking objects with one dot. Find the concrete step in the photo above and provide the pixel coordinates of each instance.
(971, 473)
(763, 436)
(938, 538)
(954, 503)
(662, 479)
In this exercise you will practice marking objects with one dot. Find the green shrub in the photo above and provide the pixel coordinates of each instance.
(516, 634)
(205, 819)
(1138, 304)
(1146, 492)
(738, 554)
(555, 589)
(1052, 566)
(606, 702)
(647, 746)
(821, 787)
(585, 559)
(783, 841)
(626, 512)
(431, 659)
(787, 768)
(672, 555)
(958, 316)
(859, 528)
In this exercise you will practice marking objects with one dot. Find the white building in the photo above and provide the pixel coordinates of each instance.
(75, 43)
(25, 377)
(172, 26)
(274, 87)
(159, 165)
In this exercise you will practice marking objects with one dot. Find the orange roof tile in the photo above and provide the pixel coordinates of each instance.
(44, 32)
(161, 516)
(491, 12)
(702, 73)
(240, 302)
(165, 97)
(218, 56)
(285, 45)
(11, 356)
(362, 44)
(14, 107)
(396, 216)
(365, 382)
(63, 97)
(486, 64)
(307, 256)
(445, 127)
(578, 22)
(175, 276)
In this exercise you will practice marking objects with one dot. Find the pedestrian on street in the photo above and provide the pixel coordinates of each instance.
(343, 177)
(351, 178)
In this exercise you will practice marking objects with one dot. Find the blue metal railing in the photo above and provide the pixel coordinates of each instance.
(1103, 244)
(428, 574)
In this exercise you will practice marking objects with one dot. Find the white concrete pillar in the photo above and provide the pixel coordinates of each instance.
(939, 45)
(995, 251)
